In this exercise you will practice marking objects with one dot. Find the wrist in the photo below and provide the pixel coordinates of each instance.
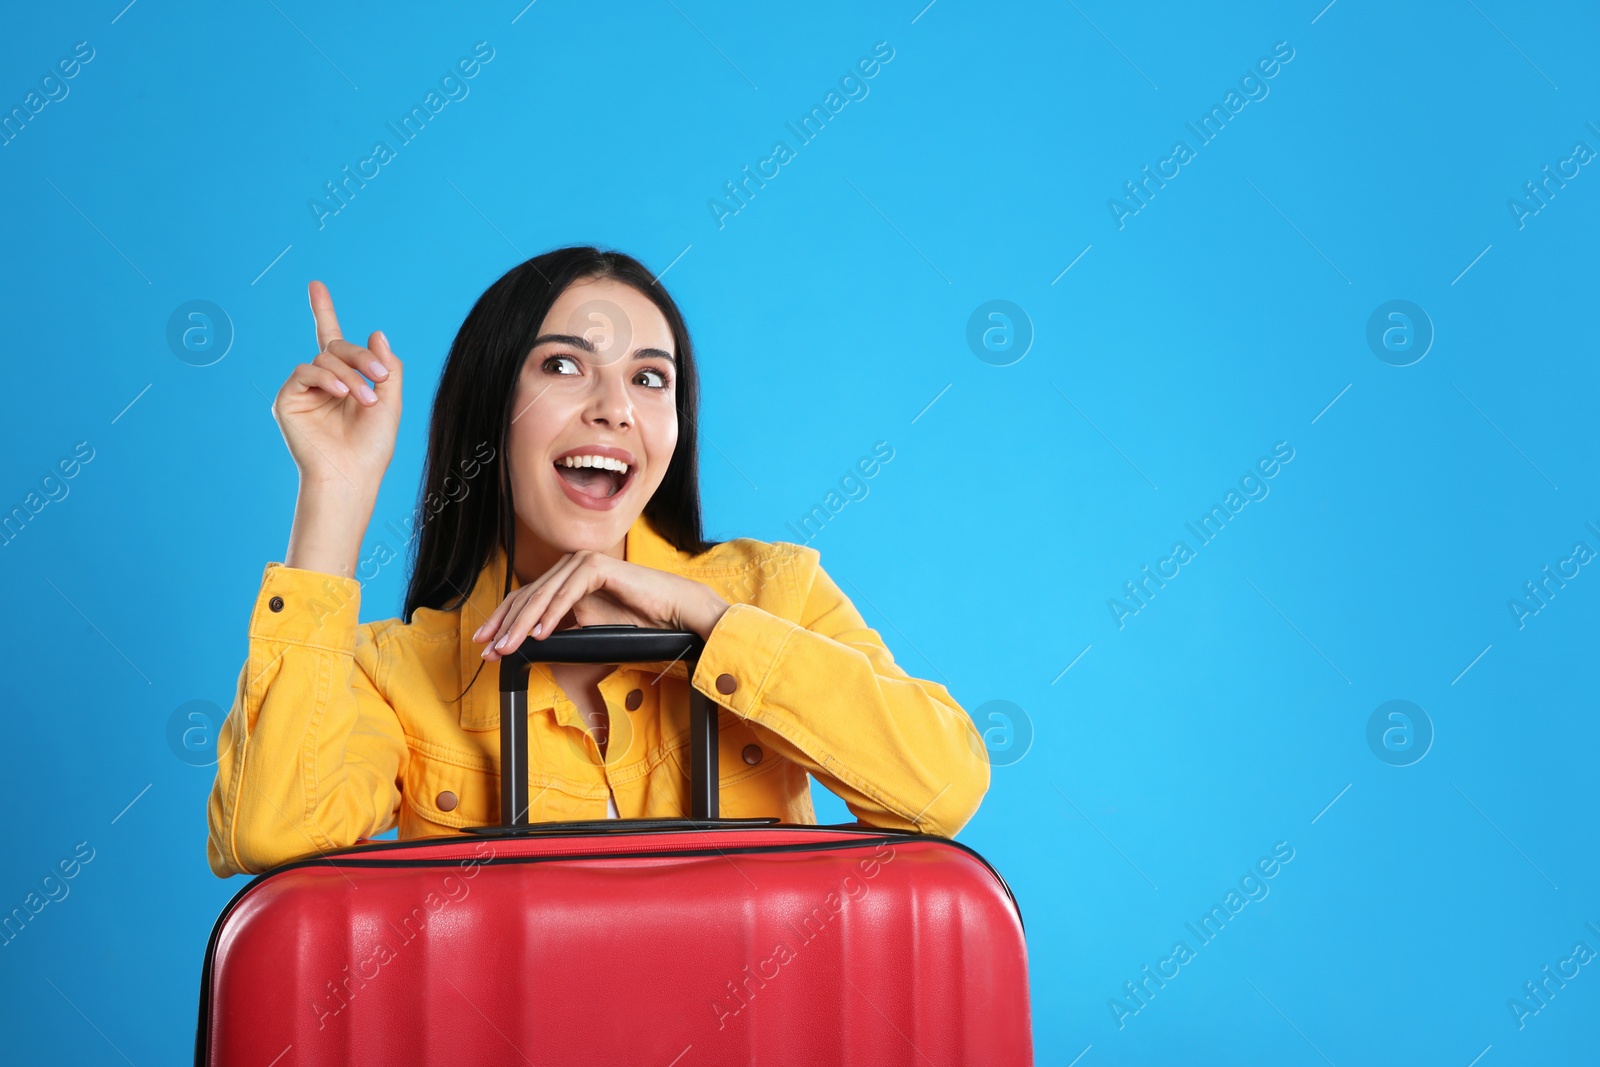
(334, 492)
(329, 525)
(705, 619)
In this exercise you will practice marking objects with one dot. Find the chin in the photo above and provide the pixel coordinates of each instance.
(578, 530)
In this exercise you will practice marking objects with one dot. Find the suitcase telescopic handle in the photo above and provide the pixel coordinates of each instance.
(600, 644)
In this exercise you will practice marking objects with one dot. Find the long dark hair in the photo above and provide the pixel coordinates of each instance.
(462, 526)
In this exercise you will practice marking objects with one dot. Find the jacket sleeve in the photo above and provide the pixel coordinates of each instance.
(899, 751)
(311, 756)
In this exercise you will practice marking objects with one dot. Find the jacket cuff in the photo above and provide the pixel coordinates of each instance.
(308, 608)
(743, 646)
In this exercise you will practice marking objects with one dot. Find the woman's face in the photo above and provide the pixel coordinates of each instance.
(597, 393)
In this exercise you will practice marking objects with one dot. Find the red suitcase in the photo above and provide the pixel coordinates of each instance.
(672, 943)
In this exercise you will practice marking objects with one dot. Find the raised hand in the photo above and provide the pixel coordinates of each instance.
(340, 430)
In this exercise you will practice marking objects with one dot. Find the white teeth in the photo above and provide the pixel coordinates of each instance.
(603, 462)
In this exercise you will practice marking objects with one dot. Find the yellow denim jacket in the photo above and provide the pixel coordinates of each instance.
(341, 730)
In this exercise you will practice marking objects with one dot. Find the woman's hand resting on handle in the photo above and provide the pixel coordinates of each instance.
(341, 433)
(591, 589)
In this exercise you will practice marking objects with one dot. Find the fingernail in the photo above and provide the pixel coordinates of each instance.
(340, 388)
(477, 635)
(538, 628)
(378, 372)
(502, 642)
(366, 393)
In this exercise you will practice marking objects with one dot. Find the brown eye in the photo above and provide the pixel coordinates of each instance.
(546, 365)
(653, 379)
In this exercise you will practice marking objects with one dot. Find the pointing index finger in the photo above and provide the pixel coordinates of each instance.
(322, 311)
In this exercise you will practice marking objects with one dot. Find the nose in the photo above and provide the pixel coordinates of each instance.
(609, 403)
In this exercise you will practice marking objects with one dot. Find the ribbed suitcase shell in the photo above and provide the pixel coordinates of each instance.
(775, 945)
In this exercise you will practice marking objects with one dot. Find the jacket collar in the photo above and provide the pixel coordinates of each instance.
(480, 707)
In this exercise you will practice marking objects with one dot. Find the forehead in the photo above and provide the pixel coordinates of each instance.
(603, 307)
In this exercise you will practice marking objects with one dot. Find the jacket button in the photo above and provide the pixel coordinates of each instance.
(276, 603)
(752, 754)
(446, 801)
(726, 684)
(634, 699)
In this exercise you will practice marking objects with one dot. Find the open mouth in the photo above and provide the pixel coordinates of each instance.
(594, 477)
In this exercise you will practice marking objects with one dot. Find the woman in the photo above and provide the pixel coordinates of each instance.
(560, 489)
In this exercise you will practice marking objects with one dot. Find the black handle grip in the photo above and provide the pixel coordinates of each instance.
(599, 644)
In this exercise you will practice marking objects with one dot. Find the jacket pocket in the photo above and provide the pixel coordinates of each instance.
(741, 756)
(773, 786)
(449, 795)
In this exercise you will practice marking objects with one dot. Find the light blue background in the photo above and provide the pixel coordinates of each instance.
(829, 312)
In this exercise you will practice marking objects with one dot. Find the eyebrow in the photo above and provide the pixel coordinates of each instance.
(588, 346)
